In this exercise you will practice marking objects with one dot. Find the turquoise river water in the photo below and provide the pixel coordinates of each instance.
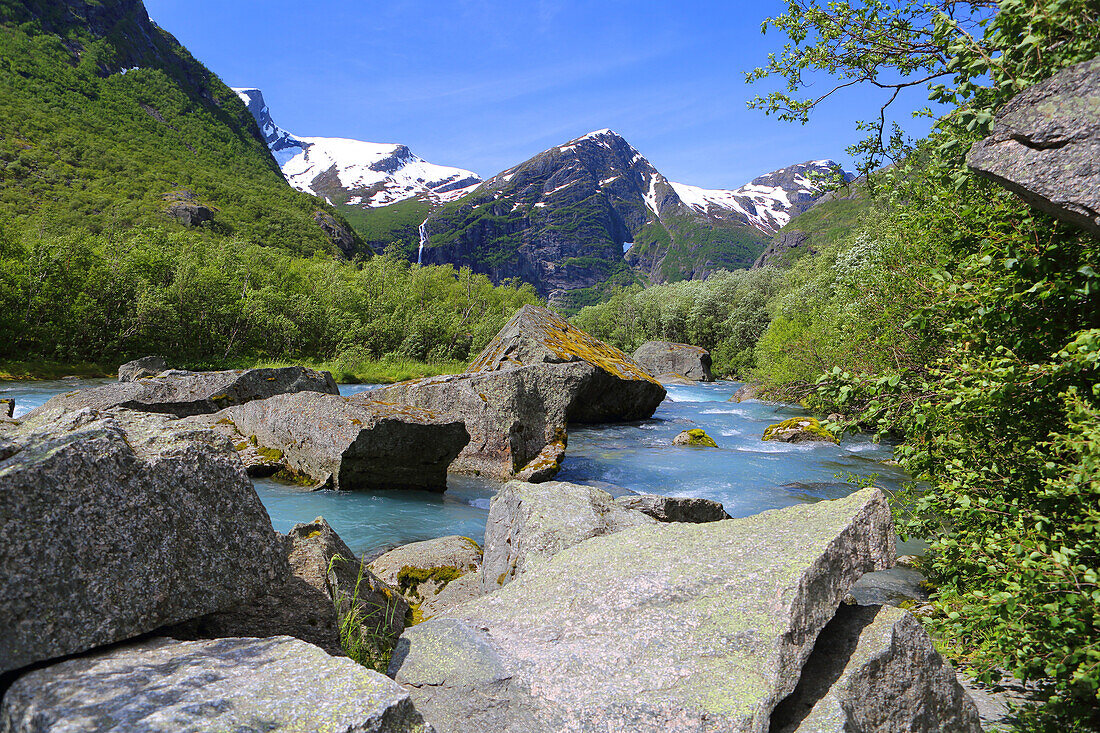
(744, 473)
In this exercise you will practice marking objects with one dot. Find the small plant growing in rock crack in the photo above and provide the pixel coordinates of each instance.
(365, 624)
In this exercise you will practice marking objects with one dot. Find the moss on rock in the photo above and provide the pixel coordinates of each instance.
(697, 436)
(798, 430)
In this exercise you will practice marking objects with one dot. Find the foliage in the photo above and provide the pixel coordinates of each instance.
(204, 299)
(972, 55)
(967, 325)
(101, 126)
(364, 626)
(724, 314)
(383, 226)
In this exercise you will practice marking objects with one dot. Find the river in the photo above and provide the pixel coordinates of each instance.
(744, 473)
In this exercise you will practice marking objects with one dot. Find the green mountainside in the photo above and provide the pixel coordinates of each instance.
(107, 122)
(830, 219)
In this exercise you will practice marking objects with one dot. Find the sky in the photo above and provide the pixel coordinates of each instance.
(486, 84)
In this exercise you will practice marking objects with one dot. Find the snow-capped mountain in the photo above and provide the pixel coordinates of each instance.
(768, 202)
(354, 172)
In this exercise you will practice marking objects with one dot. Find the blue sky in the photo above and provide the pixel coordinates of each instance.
(485, 84)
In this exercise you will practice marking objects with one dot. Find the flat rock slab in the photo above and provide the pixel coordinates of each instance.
(352, 443)
(189, 393)
(616, 388)
(278, 684)
(529, 523)
(116, 523)
(667, 357)
(874, 668)
(664, 627)
(1045, 146)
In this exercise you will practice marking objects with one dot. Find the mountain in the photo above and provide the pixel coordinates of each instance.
(593, 212)
(108, 123)
(352, 172)
(823, 222)
(767, 202)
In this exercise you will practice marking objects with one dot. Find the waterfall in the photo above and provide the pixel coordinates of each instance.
(423, 240)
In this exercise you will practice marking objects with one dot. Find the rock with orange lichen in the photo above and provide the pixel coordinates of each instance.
(538, 375)
(616, 388)
(349, 443)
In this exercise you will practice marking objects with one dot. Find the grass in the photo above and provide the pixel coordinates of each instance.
(345, 371)
(366, 643)
(14, 369)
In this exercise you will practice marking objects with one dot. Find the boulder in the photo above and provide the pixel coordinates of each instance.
(516, 418)
(529, 523)
(466, 588)
(160, 685)
(351, 443)
(182, 393)
(517, 397)
(746, 392)
(674, 508)
(671, 627)
(1045, 146)
(7, 407)
(696, 436)
(671, 378)
(116, 523)
(874, 668)
(315, 601)
(421, 570)
(615, 388)
(661, 357)
(146, 366)
(798, 430)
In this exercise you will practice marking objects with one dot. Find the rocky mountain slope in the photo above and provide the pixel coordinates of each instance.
(107, 122)
(593, 212)
(353, 172)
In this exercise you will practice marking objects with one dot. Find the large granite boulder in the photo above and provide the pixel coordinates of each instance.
(516, 418)
(146, 366)
(614, 388)
(662, 357)
(165, 686)
(517, 397)
(874, 668)
(466, 588)
(669, 627)
(351, 443)
(1045, 146)
(115, 523)
(422, 570)
(529, 523)
(182, 393)
(746, 392)
(675, 508)
(327, 584)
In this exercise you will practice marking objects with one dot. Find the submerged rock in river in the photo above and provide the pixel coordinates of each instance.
(666, 357)
(165, 686)
(696, 437)
(669, 627)
(118, 522)
(189, 393)
(349, 442)
(874, 668)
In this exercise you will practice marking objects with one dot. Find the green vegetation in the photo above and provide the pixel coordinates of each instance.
(726, 314)
(966, 325)
(366, 634)
(824, 224)
(207, 301)
(102, 127)
(688, 248)
(388, 225)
